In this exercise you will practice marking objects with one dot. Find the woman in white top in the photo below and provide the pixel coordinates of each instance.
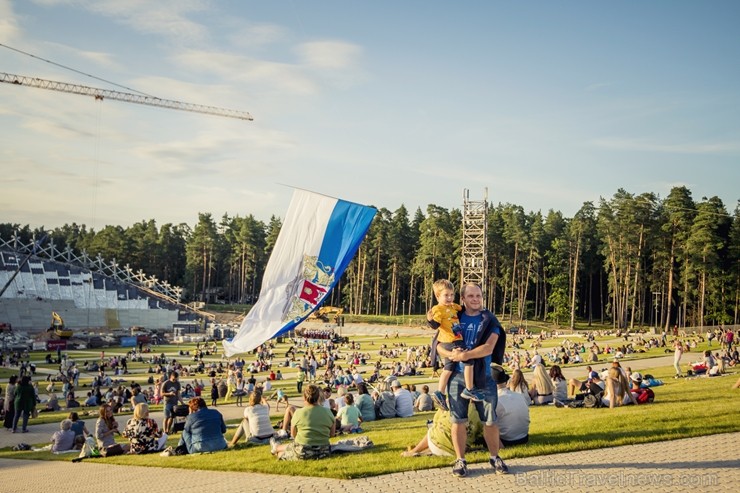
(256, 425)
(560, 384)
(519, 385)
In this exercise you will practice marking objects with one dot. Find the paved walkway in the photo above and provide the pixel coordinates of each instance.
(710, 463)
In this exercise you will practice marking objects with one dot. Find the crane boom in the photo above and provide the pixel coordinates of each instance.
(101, 94)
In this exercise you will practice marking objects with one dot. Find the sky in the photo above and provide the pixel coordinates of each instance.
(542, 104)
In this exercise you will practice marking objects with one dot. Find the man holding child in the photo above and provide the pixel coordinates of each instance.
(486, 339)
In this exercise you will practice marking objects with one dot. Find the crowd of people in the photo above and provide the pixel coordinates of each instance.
(481, 405)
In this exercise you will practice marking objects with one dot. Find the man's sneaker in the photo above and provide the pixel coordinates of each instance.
(473, 395)
(499, 465)
(440, 400)
(558, 403)
(460, 468)
(281, 434)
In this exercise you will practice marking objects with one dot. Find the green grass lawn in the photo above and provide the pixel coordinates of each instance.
(683, 408)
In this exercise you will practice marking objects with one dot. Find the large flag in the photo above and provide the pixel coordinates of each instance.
(317, 241)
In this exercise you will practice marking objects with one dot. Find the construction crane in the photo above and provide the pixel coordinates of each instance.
(101, 94)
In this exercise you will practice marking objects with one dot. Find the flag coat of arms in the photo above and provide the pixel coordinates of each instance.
(317, 241)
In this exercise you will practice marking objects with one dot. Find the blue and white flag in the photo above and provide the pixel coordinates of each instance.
(317, 241)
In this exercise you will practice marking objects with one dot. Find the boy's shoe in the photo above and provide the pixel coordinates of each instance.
(499, 465)
(473, 395)
(457, 329)
(440, 400)
(273, 445)
(558, 403)
(460, 468)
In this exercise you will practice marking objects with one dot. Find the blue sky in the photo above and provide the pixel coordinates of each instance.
(546, 104)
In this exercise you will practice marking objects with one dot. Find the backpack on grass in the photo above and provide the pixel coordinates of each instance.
(592, 400)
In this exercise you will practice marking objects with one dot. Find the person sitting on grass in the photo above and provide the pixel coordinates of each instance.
(52, 404)
(444, 318)
(79, 428)
(404, 400)
(349, 416)
(204, 429)
(64, 439)
(640, 394)
(512, 412)
(106, 428)
(437, 440)
(559, 384)
(256, 425)
(593, 385)
(541, 390)
(424, 402)
(365, 403)
(385, 401)
(71, 402)
(616, 389)
(311, 427)
(519, 385)
(143, 433)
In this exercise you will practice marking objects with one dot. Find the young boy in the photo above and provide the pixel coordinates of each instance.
(349, 416)
(444, 317)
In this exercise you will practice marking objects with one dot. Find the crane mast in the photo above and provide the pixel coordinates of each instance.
(101, 94)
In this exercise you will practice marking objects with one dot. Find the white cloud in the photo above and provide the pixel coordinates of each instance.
(257, 35)
(332, 55)
(9, 29)
(273, 75)
(167, 18)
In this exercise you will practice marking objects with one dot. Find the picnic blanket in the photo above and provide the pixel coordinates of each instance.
(356, 444)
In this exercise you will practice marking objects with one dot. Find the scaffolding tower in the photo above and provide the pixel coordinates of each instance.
(474, 263)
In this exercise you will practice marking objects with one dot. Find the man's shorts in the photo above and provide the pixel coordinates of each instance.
(296, 451)
(459, 406)
(169, 409)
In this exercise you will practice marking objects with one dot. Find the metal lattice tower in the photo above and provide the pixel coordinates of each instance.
(474, 263)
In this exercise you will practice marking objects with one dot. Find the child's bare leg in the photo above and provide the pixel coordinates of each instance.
(444, 377)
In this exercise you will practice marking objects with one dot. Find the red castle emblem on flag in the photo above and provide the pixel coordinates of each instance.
(308, 289)
(312, 293)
